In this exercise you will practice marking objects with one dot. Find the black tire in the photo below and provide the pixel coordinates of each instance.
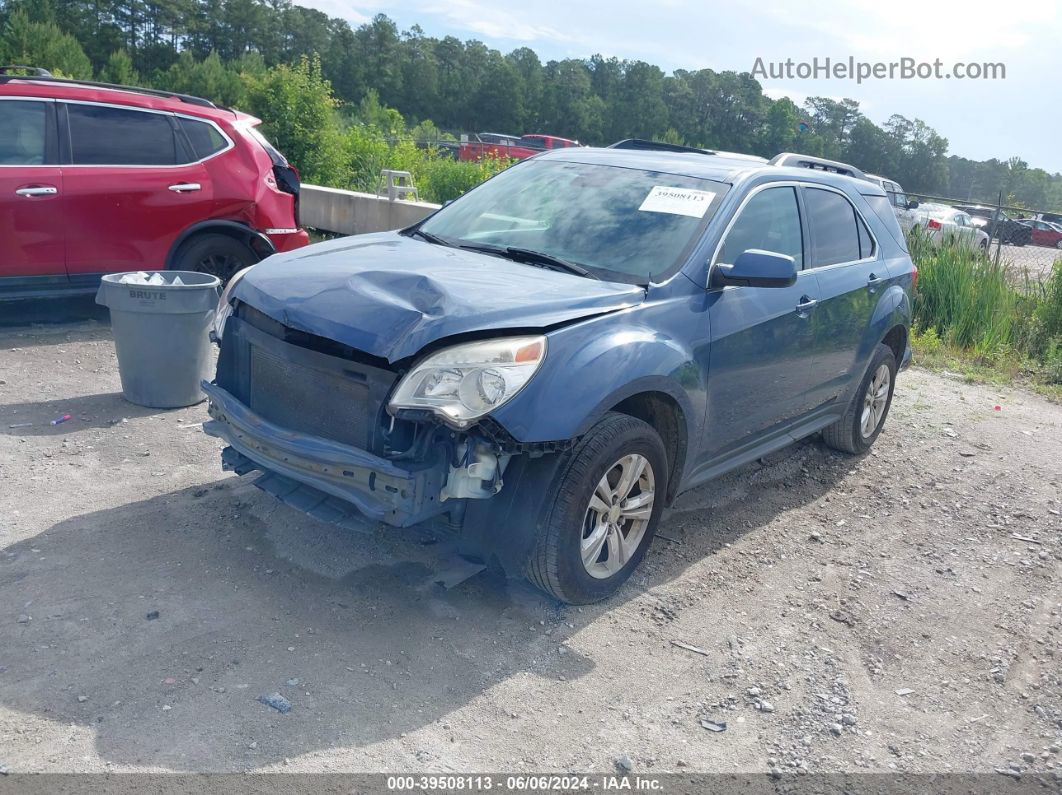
(218, 255)
(555, 564)
(847, 433)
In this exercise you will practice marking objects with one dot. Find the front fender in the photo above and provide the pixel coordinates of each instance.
(593, 365)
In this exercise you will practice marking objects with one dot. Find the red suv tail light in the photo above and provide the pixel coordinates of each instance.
(933, 223)
(914, 276)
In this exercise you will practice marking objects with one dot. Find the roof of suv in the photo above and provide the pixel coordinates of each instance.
(721, 167)
(53, 88)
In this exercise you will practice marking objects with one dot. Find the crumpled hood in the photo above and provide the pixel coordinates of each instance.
(390, 295)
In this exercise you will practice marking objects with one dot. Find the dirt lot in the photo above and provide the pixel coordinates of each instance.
(1029, 261)
(902, 611)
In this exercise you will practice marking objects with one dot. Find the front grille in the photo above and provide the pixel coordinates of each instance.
(330, 405)
(304, 389)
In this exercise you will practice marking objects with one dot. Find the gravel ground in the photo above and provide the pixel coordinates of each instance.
(902, 611)
(1035, 262)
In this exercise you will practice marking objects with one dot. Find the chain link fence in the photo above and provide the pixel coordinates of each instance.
(1027, 242)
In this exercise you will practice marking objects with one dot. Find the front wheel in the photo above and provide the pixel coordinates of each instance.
(609, 497)
(865, 416)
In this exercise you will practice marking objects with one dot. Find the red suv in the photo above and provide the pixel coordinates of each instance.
(97, 178)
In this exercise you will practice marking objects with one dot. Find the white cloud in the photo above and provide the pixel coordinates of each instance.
(341, 9)
(495, 21)
(925, 30)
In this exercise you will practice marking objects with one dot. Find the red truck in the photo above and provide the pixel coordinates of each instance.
(479, 145)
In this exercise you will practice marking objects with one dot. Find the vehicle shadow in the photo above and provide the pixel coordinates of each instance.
(253, 598)
(24, 312)
(86, 411)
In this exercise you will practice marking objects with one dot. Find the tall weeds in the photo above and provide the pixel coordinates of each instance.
(975, 305)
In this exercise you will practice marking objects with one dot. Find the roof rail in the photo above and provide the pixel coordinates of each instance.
(816, 163)
(660, 146)
(35, 71)
(42, 75)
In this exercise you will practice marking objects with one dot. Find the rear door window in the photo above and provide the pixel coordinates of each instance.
(866, 241)
(23, 127)
(106, 136)
(834, 233)
(204, 138)
(769, 222)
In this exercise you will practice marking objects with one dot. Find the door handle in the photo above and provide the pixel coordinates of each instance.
(874, 280)
(185, 187)
(38, 190)
(805, 304)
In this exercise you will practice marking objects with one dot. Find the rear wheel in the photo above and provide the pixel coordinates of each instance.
(218, 255)
(609, 497)
(856, 431)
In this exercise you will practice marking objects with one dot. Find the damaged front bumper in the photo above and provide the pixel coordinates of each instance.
(376, 487)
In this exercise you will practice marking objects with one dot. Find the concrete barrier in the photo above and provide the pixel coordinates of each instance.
(348, 212)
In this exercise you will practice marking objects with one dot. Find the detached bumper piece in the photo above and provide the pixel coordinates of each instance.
(319, 476)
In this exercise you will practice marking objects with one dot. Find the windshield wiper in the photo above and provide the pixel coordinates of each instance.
(529, 256)
(429, 237)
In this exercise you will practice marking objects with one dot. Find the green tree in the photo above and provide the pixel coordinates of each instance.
(43, 44)
(781, 128)
(833, 121)
(119, 69)
(209, 78)
(498, 102)
(571, 108)
(639, 110)
(420, 74)
(871, 147)
(378, 45)
(297, 109)
(217, 48)
(529, 70)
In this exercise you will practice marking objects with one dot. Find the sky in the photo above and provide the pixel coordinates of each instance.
(1019, 115)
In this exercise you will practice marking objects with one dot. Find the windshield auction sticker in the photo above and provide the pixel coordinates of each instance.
(677, 201)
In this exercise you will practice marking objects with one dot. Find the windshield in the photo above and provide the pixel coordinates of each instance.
(621, 224)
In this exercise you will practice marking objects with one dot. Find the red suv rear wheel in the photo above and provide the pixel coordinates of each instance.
(218, 255)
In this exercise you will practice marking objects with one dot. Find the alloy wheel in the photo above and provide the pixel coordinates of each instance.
(875, 400)
(220, 265)
(617, 516)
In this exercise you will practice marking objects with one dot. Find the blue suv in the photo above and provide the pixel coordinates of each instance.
(541, 366)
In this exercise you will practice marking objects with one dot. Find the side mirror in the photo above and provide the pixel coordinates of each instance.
(912, 204)
(756, 268)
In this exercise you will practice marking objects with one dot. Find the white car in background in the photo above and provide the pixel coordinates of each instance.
(901, 205)
(942, 222)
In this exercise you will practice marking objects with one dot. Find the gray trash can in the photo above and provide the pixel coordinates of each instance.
(161, 333)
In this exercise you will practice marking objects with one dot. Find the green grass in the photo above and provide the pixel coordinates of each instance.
(971, 316)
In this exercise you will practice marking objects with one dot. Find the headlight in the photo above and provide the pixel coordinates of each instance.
(225, 302)
(465, 382)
